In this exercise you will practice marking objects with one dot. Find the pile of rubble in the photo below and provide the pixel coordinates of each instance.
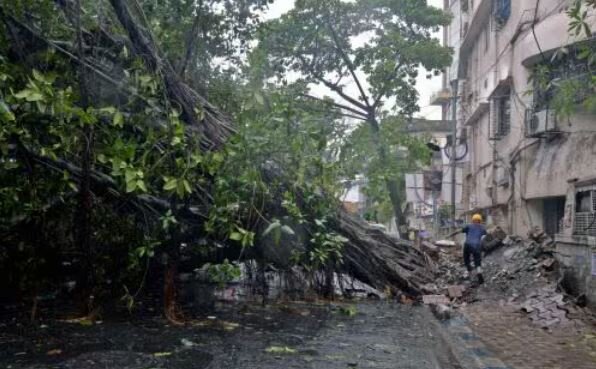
(522, 274)
(521, 266)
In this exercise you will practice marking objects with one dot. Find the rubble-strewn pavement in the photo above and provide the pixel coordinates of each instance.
(520, 314)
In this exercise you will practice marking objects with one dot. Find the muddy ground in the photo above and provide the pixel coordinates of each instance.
(332, 335)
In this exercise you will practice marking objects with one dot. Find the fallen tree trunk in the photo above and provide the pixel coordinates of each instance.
(213, 127)
(381, 260)
(370, 255)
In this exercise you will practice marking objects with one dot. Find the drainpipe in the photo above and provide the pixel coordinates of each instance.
(454, 88)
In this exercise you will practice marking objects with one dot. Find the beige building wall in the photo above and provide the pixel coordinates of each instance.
(514, 173)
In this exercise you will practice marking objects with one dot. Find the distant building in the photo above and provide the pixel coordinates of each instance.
(419, 208)
(353, 199)
(424, 194)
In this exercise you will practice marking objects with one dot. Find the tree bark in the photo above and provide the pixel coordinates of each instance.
(83, 228)
(212, 127)
(391, 184)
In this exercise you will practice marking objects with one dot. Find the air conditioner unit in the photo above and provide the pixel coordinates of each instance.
(541, 122)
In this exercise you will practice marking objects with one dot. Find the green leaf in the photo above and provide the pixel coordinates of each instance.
(280, 350)
(187, 186)
(118, 120)
(259, 98)
(235, 236)
(180, 190)
(34, 96)
(38, 76)
(108, 110)
(170, 184)
(288, 230)
(141, 185)
(274, 225)
(129, 175)
(5, 113)
(131, 186)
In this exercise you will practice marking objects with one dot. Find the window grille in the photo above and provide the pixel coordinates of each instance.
(565, 66)
(585, 213)
(500, 115)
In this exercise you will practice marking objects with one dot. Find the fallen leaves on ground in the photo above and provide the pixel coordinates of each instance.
(349, 310)
(280, 350)
(162, 354)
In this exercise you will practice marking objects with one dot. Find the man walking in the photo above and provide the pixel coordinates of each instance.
(475, 232)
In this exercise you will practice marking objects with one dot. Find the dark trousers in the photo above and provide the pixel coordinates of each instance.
(475, 252)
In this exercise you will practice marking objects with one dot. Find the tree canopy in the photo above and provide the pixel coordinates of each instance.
(368, 54)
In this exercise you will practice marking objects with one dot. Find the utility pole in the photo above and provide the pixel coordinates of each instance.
(454, 88)
(435, 213)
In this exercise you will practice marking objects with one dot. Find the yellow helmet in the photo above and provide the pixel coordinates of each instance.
(477, 218)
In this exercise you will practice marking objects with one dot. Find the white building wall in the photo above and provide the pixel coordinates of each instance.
(492, 54)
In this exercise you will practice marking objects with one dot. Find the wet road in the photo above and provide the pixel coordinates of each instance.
(379, 335)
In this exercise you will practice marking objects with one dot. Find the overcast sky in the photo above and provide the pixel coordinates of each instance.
(425, 86)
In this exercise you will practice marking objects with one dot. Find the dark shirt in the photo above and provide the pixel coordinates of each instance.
(474, 233)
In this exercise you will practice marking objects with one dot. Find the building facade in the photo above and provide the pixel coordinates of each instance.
(521, 155)
(528, 166)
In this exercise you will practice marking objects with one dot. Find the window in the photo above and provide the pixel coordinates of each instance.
(570, 69)
(464, 5)
(583, 202)
(501, 113)
(504, 117)
(502, 11)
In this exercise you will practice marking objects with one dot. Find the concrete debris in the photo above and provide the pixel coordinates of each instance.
(456, 291)
(435, 299)
(520, 274)
(445, 243)
(442, 311)
(537, 234)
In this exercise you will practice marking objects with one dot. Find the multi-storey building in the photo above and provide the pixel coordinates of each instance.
(523, 158)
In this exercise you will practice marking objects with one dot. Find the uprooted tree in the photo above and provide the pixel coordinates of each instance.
(110, 159)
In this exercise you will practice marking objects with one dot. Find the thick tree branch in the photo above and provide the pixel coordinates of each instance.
(333, 87)
(358, 114)
(215, 127)
(384, 89)
(348, 63)
(190, 39)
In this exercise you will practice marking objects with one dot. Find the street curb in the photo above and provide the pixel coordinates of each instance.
(465, 345)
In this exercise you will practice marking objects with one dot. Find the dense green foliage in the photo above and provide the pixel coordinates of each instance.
(102, 179)
(367, 54)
